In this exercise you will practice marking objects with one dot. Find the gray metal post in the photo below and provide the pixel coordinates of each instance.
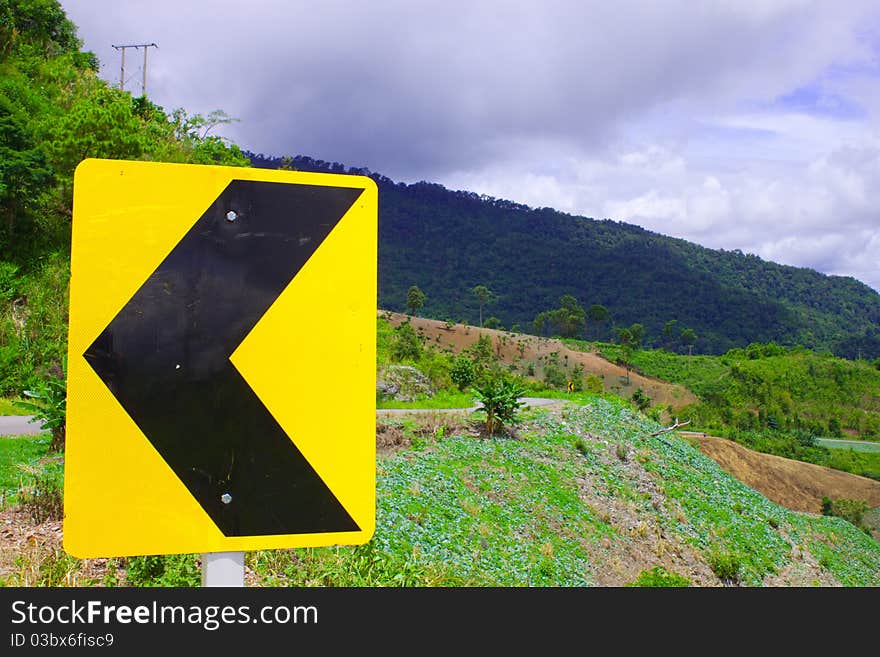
(223, 569)
(145, 46)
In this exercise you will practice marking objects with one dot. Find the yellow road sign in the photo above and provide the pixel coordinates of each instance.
(212, 310)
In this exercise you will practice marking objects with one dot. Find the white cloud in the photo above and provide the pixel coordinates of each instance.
(737, 124)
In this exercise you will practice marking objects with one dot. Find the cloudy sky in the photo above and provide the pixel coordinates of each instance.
(739, 124)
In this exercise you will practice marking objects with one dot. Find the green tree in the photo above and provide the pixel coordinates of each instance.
(100, 124)
(688, 338)
(41, 24)
(669, 333)
(566, 321)
(24, 176)
(597, 314)
(415, 299)
(539, 324)
(484, 297)
(625, 340)
(483, 356)
(637, 331)
(571, 317)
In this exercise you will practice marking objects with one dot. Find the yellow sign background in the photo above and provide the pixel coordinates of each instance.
(120, 497)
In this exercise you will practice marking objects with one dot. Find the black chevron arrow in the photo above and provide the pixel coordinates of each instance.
(165, 357)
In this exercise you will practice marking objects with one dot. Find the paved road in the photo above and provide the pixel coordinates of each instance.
(18, 425)
(859, 445)
(529, 401)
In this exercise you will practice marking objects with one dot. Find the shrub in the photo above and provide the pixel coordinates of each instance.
(593, 383)
(726, 565)
(8, 283)
(482, 354)
(853, 511)
(170, 570)
(658, 576)
(640, 399)
(406, 344)
(42, 498)
(463, 372)
(499, 398)
(834, 428)
(50, 408)
(554, 375)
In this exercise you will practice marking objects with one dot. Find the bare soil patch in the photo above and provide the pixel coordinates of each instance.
(793, 484)
(521, 350)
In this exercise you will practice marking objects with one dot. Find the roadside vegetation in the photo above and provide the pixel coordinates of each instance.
(583, 496)
(766, 386)
(55, 112)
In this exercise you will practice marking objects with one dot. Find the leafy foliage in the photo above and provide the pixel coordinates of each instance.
(766, 386)
(168, 570)
(484, 296)
(415, 299)
(406, 344)
(54, 112)
(640, 399)
(50, 407)
(499, 399)
(657, 577)
(41, 497)
(463, 372)
(726, 565)
(852, 511)
(567, 321)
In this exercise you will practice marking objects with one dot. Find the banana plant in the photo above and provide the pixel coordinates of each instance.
(499, 398)
(49, 407)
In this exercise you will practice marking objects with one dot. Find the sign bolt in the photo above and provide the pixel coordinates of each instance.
(232, 215)
(226, 498)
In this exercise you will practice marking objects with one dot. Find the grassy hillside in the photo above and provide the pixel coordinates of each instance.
(766, 386)
(585, 497)
(770, 399)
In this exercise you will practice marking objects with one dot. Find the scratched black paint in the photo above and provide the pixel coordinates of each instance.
(165, 357)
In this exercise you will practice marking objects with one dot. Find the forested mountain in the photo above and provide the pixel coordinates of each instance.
(447, 242)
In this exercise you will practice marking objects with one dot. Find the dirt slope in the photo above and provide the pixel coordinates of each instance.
(521, 349)
(794, 484)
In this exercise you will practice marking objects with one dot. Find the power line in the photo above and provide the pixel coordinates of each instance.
(145, 46)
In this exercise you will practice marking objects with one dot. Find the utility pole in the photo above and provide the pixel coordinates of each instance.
(145, 46)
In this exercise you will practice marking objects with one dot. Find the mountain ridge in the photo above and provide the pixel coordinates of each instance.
(446, 242)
